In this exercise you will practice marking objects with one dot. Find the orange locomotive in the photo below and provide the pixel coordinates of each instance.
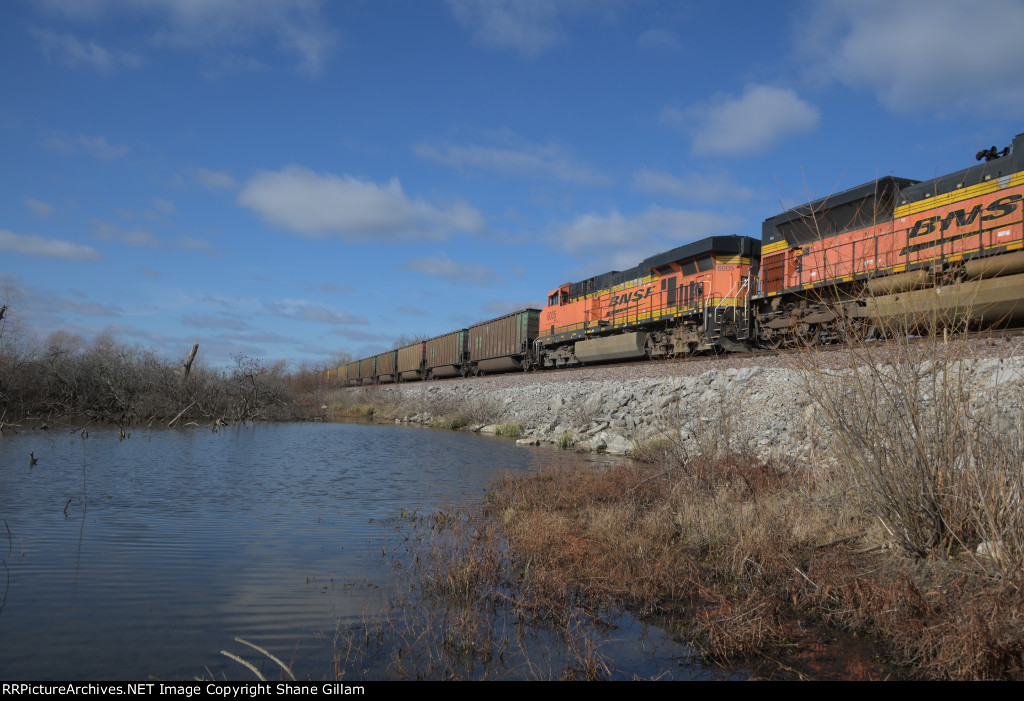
(692, 298)
(890, 249)
(897, 249)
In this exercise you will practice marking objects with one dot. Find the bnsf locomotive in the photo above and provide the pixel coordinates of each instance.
(897, 248)
(890, 249)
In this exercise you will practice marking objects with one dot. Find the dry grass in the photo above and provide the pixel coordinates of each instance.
(934, 448)
(458, 616)
(759, 563)
(447, 411)
(918, 463)
(756, 561)
(646, 537)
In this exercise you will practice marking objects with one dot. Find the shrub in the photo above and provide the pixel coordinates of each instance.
(935, 452)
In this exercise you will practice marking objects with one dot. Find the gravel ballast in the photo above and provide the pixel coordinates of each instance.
(757, 403)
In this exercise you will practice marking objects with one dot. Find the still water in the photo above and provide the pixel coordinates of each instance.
(148, 556)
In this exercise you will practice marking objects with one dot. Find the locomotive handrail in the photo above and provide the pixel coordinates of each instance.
(727, 296)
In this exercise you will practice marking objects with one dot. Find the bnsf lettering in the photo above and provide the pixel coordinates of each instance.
(924, 226)
(962, 219)
(997, 209)
(1004, 206)
(631, 297)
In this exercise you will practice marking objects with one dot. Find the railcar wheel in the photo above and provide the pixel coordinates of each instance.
(813, 338)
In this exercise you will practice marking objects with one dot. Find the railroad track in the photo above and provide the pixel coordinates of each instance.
(720, 358)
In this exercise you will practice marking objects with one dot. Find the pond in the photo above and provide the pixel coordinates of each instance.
(126, 559)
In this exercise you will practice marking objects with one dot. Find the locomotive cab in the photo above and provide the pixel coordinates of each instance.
(550, 317)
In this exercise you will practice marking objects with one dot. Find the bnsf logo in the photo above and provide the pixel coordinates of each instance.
(630, 297)
(995, 210)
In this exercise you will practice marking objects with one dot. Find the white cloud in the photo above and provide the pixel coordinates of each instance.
(658, 39)
(227, 64)
(314, 349)
(692, 186)
(215, 322)
(447, 268)
(194, 245)
(100, 147)
(215, 180)
(43, 210)
(163, 206)
(705, 187)
(77, 9)
(500, 308)
(672, 116)
(40, 247)
(527, 160)
(258, 337)
(139, 238)
(530, 27)
(357, 335)
(298, 26)
(336, 289)
(623, 241)
(58, 144)
(752, 122)
(922, 54)
(55, 304)
(310, 311)
(68, 50)
(322, 205)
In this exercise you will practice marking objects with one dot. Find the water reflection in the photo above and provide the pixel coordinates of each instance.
(149, 556)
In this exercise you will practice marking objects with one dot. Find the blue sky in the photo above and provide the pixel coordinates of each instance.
(289, 178)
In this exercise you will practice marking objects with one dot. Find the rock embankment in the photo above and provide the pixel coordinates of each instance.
(763, 405)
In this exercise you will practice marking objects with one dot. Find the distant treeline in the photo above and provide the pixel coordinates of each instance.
(107, 381)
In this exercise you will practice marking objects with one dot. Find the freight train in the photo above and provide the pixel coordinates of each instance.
(890, 249)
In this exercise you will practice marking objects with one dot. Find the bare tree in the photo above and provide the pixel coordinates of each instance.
(408, 339)
(187, 365)
(339, 358)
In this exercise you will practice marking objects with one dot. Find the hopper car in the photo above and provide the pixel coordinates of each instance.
(891, 249)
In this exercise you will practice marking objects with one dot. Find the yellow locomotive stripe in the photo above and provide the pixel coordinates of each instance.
(964, 193)
(949, 198)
